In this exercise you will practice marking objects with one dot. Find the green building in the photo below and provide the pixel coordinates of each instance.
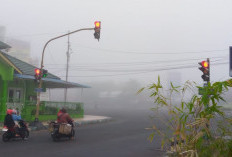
(17, 90)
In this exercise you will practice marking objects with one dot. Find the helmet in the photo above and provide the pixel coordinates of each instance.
(9, 111)
(63, 110)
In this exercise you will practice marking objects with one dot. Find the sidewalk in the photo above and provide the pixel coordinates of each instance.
(90, 119)
(87, 119)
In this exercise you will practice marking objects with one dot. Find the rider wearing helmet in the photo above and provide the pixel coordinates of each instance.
(64, 117)
(9, 122)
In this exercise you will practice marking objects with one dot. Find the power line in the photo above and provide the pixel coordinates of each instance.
(136, 52)
(96, 69)
(148, 71)
(120, 51)
(133, 63)
(124, 70)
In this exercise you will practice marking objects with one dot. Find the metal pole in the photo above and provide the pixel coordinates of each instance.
(67, 66)
(41, 67)
(208, 69)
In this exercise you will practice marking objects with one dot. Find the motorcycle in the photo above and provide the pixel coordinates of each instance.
(58, 130)
(21, 133)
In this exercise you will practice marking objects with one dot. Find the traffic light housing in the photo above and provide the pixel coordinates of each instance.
(37, 74)
(97, 29)
(44, 73)
(205, 69)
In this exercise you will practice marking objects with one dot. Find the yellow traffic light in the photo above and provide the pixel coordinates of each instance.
(97, 29)
(97, 24)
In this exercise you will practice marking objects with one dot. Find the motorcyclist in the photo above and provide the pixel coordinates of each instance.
(16, 116)
(13, 126)
(58, 115)
(64, 117)
(9, 122)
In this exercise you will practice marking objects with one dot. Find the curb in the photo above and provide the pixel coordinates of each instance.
(106, 119)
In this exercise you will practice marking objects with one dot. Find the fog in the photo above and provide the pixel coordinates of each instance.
(140, 40)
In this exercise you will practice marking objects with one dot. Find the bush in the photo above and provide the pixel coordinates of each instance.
(190, 119)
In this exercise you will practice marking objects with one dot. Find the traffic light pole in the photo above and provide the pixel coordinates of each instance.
(41, 67)
(207, 125)
(209, 70)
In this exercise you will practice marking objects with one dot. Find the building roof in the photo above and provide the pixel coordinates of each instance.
(23, 70)
(22, 67)
(53, 83)
(4, 46)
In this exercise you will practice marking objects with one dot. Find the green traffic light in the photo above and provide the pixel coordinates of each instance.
(45, 75)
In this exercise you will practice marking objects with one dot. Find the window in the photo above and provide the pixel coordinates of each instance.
(17, 95)
(11, 95)
(14, 95)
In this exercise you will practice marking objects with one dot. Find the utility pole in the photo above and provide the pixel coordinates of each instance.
(67, 66)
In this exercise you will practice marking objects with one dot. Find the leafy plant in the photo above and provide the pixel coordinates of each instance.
(190, 119)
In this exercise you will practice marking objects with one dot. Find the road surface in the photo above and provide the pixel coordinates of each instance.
(124, 136)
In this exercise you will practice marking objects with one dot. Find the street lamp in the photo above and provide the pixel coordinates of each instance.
(41, 67)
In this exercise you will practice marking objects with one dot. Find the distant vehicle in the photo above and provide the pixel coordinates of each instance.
(22, 133)
(61, 130)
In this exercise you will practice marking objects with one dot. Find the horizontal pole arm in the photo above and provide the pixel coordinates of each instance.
(83, 29)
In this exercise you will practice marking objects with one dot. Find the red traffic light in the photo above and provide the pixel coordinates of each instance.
(97, 30)
(205, 69)
(97, 24)
(205, 64)
(37, 71)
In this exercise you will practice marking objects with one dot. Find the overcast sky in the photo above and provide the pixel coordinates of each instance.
(137, 36)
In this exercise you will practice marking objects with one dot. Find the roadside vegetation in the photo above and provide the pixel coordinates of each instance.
(197, 124)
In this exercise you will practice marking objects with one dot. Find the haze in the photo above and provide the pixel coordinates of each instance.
(140, 39)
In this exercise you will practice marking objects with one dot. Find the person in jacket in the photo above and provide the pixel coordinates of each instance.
(16, 116)
(8, 121)
(58, 115)
(64, 117)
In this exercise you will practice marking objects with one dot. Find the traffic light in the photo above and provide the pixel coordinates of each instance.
(205, 69)
(97, 29)
(44, 73)
(37, 74)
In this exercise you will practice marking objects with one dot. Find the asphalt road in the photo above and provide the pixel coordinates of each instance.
(124, 136)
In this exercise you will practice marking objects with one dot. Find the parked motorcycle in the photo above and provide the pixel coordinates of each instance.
(22, 132)
(58, 130)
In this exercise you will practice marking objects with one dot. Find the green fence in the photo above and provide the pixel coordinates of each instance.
(48, 110)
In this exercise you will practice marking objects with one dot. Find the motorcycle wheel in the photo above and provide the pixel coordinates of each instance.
(23, 135)
(5, 137)
(72, 134)
(54, 136)
(26, 134)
